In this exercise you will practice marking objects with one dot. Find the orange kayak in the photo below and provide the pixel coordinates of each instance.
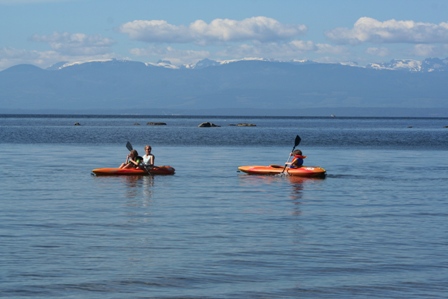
(166, 170)
(304, 171)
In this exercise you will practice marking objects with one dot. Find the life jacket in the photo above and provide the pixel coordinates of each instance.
(137, 159)
(297, 161)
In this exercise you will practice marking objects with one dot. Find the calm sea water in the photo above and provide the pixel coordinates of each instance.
(375, 227)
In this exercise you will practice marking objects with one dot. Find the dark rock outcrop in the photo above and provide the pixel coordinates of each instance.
(207, 125)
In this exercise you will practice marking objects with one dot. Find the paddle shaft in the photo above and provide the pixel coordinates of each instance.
(296, 143)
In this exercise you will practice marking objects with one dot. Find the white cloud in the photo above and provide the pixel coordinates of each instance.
(219, 30)
(156, 31)
(391, 31)
(76, 43)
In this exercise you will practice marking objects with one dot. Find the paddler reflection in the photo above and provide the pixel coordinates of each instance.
(138, 185)
(296, 193)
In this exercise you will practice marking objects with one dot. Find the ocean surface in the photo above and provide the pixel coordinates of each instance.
(375, 227)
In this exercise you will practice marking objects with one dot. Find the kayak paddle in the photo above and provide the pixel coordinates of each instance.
(296, 143)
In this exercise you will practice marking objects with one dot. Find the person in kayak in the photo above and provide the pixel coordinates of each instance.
(133, 160)
(297, 161)
(148, 158)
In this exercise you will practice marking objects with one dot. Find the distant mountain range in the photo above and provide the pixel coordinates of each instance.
(244, 87)
(427, 65)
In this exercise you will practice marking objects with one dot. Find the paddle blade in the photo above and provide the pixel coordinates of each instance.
(129, 146)
(297, 141)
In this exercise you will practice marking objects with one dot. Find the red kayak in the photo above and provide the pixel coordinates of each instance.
(164, 170)
(304, 171)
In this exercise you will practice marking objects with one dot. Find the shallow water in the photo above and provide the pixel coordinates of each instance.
(373, 228)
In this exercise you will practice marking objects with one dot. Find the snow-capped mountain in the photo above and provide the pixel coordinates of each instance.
(251, 84)
(435, 64)
(427, 65)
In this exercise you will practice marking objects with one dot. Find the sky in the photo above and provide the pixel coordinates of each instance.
(45, 32)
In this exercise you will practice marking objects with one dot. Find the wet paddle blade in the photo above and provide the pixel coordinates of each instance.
(129, 146)
(297, 141)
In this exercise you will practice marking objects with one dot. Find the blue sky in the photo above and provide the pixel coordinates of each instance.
(44, 32)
